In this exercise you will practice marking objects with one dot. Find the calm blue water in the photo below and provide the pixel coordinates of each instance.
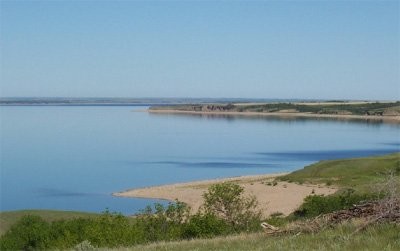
(73, 158)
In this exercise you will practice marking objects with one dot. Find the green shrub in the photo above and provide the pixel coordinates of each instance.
(163, 223)
(29, 233)
(205, 226)
(67, 233)
(315, 205)
(227, 201)
(108, 230)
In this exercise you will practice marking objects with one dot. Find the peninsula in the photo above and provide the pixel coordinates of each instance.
(361, 110)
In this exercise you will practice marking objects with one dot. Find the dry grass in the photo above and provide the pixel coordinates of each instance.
(374, 237)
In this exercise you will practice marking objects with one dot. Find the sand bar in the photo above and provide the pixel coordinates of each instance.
(284, 197)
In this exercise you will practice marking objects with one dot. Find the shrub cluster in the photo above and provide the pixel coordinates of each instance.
(315, 205)
(226, 210)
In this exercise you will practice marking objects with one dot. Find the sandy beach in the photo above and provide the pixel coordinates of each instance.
(283, 197)
(386, 119)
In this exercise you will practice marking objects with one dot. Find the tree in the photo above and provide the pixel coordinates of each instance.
(29, 233)
(227, 201)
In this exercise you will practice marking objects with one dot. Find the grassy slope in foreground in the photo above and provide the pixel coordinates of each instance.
(377, 237)
(360, 174)
(8, 218)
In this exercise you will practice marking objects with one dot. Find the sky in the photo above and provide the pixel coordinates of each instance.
(233, 49)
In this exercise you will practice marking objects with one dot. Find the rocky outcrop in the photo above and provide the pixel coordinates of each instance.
(218, 108)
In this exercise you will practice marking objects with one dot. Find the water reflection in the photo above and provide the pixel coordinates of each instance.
(279, 118)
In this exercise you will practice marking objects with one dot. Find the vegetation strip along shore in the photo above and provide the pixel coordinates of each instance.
(376, 111)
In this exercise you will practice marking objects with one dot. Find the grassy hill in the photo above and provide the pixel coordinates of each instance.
(360, 174)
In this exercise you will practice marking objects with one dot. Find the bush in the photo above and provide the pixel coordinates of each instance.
(226, 201)
(315, 205)
(29, 233)
(110, 229)
(66, 233)
(163, 223)
(205, 226)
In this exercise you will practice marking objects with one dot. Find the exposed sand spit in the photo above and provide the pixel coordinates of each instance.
(284, 197)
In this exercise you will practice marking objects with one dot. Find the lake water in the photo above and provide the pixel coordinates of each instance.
(74, 157)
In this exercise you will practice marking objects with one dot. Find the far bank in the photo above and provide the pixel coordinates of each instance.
(388, 112)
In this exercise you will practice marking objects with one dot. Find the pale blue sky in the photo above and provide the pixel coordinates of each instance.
(260, 49)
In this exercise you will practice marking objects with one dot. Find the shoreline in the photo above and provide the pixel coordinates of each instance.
(283, 197)
(386, 119)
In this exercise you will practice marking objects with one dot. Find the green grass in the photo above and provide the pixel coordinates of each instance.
(377, 237)
(355, 109)
(360, 174)
(8, 218)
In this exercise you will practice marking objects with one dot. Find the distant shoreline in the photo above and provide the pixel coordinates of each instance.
(387, 119)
